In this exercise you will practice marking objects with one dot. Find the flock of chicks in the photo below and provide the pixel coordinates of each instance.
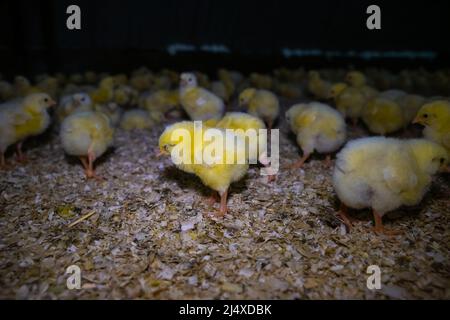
(377, 172)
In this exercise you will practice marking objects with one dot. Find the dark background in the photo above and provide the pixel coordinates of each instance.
(119, 35)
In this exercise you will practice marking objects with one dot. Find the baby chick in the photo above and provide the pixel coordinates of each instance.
(383, 116)
(357, 79)
(199, 103)
(112, 110)
(350, 101)
(262, 104)
(384, 173)
(73, 103)
(105, 92)
(318, 87)
(6, 91)
(318, 127)
(435, 116)
(22, 119)
(87, 135)
(125, 95)
(241, 122)
(136, 120)
(218, 175)
(410, 104)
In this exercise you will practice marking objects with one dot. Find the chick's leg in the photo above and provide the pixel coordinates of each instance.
(90, 171)
(20, 156)
(328, 161)
(380, 229)
(212, 199)
(300, 162)
(223, 203)
(344, 217)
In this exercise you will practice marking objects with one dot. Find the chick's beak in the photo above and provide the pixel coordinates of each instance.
(183, 82)
(161, 153)
(417, 120)
(52, 103)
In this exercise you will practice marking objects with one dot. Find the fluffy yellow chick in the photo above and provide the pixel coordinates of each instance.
(22, 119)
(358, 80)
(23, 87)
(410, 104)
(261, 103)
(350, 101)
(73, 103)
(6, 91)
(435, 116)
(136, 120)
(227, 79)
(112, 110)
(288, 90)
(261, 81)
(199, 103)
(160, 103)
(141, 81)
(318, 127)
(219, 89)
(105, 92)
(383, 116)
(385, 173)
(125, 95)
(87, 135)
(217, 176)
(49, 85)
(241, 122)
(318, 87)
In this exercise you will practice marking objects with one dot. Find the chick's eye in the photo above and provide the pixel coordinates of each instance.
(442, 160)
(46, 100)
(425, 115)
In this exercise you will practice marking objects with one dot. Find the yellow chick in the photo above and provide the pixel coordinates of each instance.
(217, 175)
(90, 77)
(23, 87)
(435, 116)
(383, 116)
(136, 120)
(49, 85)
(22, 119)
(112, 110)
(6, 91)
(242, 122)
(261, 103)
(350, 101)
(160, 103)
(87, 135)
(73, 103)
(385, 173)
(410, 104)
(227, 79)
(261, 81)
(125, 95)
(318, 127)
(141, 81)
(288, 90)
(219, 89)
(199, 103)
(105, 92)
(318, 87)
(358, 80)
